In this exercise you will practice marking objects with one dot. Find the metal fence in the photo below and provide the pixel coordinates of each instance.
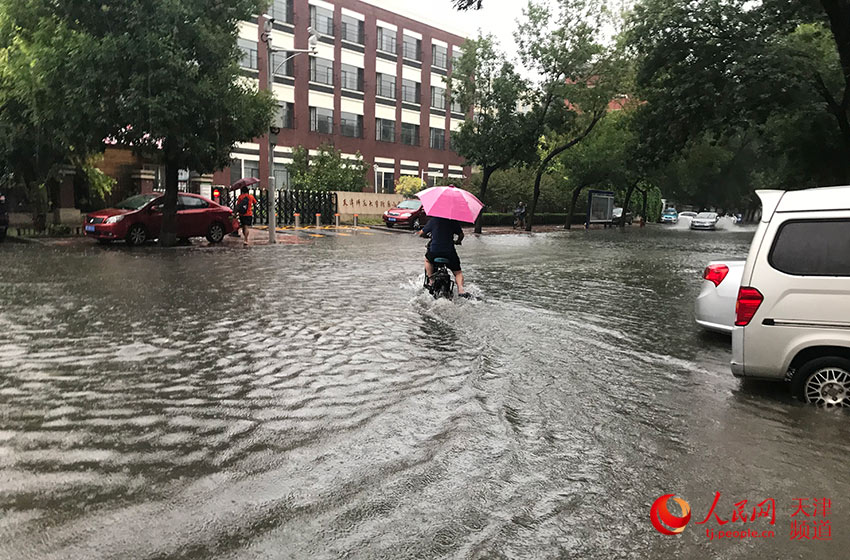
(306, 203)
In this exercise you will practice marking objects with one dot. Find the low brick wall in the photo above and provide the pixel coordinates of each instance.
(372, 205)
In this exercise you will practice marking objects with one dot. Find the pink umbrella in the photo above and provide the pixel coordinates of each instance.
(450, 202)
(246, 182)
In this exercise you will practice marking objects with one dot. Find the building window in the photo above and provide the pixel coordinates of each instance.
(438, 139)
(456, 106)
(321, 70)
(439, 56)
(386, 182)
(386, 86)
(438, 98)
(387, 40)
(281, 66)
(235, 170)
(252, 169)
(412, 47)
(285, 116)
(248, 58)
(321, 120)
(352, 77)
(410, 91)
(281, 176)
(281, 10)
(410, 134)
(385, 130)
(322, 20)
(456, 54)
(351, 125)
(352, 30)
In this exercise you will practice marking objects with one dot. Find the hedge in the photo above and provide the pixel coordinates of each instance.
(494, 219)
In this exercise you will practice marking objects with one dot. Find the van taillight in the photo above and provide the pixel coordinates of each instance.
(749, 300)
(715, 273)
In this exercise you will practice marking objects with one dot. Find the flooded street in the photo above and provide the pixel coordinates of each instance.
(308, 401)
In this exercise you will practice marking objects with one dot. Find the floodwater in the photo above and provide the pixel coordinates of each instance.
(308, 401)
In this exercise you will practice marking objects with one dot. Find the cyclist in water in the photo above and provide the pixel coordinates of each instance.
(442, 245)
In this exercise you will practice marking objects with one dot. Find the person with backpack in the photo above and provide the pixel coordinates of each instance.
(245, 209)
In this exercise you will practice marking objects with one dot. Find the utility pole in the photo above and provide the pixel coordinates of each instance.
(312, 42)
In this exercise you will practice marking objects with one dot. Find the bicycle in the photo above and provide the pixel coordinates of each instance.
(442, 282)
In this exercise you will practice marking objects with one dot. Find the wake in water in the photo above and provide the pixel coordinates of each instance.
(724, 224)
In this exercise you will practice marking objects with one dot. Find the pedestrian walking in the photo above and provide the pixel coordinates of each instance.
(245, 209)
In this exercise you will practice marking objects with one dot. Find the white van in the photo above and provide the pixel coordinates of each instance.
(793, 309)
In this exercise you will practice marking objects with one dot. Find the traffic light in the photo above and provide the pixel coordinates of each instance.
(216, 196)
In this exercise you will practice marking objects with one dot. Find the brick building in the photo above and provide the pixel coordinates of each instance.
(378, 86)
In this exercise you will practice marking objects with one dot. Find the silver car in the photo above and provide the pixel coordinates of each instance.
(704, 220)
(715, 306)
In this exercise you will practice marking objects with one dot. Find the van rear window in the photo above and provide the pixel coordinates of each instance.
(812, 248)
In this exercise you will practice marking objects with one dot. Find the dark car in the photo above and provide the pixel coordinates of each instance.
(617, 217)
(408, 213)
(4, 217)
(139, 219)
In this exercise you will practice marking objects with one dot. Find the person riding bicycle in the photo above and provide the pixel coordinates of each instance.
(519, 215)
(442, 245)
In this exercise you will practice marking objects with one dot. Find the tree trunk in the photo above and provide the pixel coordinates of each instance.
(572, 207)
(168, 231)
(485, 178)
(631, 189)
(545, 163)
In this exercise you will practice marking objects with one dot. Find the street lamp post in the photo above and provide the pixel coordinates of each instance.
(266, 37)
(375, 167)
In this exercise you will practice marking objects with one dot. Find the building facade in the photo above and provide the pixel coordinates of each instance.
(378, 85)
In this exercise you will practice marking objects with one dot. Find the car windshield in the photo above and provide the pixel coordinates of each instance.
(618, 212)
(706, 215)
(410, 205)
(135, 202)
(670, 213)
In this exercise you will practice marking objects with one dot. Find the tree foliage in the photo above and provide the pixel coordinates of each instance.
(159, 75)
(580, 74)
(774, 75)
(500, 133)
(408, 185)
(327, 170)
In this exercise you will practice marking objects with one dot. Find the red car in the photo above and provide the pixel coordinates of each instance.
(408, 213)
(139, 218)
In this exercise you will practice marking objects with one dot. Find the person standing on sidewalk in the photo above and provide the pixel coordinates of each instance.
(245, 208)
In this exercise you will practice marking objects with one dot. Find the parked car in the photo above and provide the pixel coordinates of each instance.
(705, 221)
(793, 308)
(4, 217)
(670, 216)
(618, 215)
(715, 305)
(408, 213)
(139, 218)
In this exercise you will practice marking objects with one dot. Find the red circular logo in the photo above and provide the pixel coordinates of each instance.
(665, 522)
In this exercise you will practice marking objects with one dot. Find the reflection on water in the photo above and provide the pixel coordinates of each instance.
(308, 401)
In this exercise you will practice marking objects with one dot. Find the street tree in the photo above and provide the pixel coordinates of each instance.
(727, 69)
(580, 74)
(328, 170)
(48, 114)
(408, 185)
(500, 133)
(603, 160)
(161, 76)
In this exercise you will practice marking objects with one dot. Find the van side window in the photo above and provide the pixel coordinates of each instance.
(812, 248)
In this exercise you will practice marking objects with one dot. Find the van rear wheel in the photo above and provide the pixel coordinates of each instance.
(824, 382)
